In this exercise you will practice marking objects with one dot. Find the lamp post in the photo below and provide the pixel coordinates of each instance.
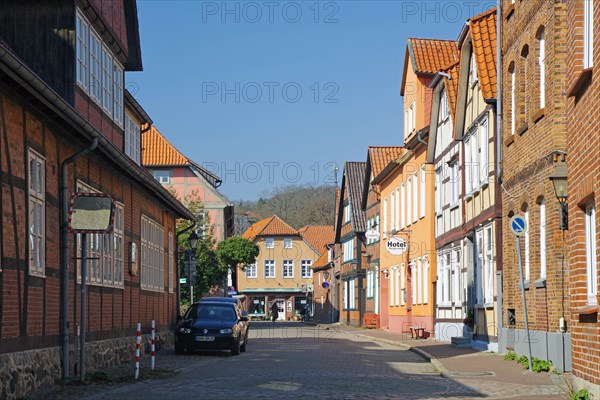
(190, 262)
(559, 181)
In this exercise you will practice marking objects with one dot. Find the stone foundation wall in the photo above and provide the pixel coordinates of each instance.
(24, 372)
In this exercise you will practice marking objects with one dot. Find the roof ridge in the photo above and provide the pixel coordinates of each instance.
(155, 130)
(439, 40)
(482, 15)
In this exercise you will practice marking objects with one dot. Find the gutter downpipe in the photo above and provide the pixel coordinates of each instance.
(421, 139)
(64, 253)
(499, 139)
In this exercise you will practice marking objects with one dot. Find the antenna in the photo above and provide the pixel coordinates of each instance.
(335, 174)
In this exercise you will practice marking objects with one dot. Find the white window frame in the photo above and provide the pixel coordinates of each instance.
(513, 111)
(488, 260)
(393, 210)
(152, 272)
(36, 216)
(468, 166)
(251, 271)
(163, 176)
(588, 33)
(82, 51)
(347, 212)
(288, 269)
(454, 183)
(385, 217)
(473, 70)
(132, 145)
(484, 138)
(438, 191)
(445, 109)
(542, 64)
(415, 281)
(402, 203)
(402, 284)
(118, 238)
(306, 269)
(270, 269)
(352, 294)
(409, 188)
(397, 206)
(107, 80)
(444, 278)
(415, 203)
(117, 93)
(95, 54)
(288, 243)
(348, 249)
(456, 267)
(269, 243)
(422, 191)
(543, 256)
(590, 255)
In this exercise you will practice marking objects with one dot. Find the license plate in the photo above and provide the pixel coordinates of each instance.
(205, 338)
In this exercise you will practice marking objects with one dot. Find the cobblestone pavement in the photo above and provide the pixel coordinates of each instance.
(292, 360)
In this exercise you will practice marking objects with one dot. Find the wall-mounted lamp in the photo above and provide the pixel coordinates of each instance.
(385, 274)
(559, 181)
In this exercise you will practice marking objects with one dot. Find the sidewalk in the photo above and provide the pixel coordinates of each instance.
(487, 373)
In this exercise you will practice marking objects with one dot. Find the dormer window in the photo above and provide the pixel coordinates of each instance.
(163, 176)
(99, 73)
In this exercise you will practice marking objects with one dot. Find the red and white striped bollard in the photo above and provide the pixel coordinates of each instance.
(138, 341)
(152, 353)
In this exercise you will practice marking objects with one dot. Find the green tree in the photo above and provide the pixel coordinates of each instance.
(209, 271)
(237, 252)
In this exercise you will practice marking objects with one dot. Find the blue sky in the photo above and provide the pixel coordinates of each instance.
(270, 93)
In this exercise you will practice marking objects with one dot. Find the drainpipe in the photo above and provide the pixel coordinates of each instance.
(64, 253)
(499, 141)
(420, 139)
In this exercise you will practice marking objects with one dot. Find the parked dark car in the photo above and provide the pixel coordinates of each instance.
(231, 300)
(212, 325)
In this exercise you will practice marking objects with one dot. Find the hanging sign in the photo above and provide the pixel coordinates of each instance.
(395, 246)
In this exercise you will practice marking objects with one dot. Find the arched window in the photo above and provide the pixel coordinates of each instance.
(542, 65)
(511, 70)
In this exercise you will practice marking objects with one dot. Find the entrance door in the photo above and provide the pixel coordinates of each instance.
(281, 307)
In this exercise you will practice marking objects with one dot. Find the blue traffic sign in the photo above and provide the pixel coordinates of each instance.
(518, 225)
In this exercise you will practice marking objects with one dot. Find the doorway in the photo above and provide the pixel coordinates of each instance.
(281, 307)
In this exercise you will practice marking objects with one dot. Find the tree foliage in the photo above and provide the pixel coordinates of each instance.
(296, 205)
(237, 251)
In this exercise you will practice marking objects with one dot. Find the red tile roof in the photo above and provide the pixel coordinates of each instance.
(431, 55)
(156, 150)
(381, 156)
(322, 261)
(483, 37)
(318, 235)
(451, 86)
(269, 226)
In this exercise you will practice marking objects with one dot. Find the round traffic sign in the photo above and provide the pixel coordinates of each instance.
(518, 225)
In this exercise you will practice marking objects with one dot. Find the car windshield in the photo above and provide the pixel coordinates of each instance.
(211, 312)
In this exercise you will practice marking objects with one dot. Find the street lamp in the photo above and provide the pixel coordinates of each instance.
(559, 181)
(190, 263)
(193, 239)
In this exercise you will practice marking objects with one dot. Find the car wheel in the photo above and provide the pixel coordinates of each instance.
(243, 347)
(179, 350)
(235, 350)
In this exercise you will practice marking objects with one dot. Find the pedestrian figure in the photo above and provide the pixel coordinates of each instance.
(303, 313)
(274, 311)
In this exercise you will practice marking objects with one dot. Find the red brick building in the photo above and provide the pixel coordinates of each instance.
(534, 61)
(64, 121)
(583, 143)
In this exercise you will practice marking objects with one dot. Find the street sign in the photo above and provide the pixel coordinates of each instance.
(518, 225)
(182, 280)
(309, 281)
(372, 234)
(395, 246)
(307, 288)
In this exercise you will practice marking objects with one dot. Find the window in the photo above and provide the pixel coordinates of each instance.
(132, 139)
(162, 175)
(444, 278)
(37, 213)
(118, 235)
(472, 162)
(527, 247)
(269, 243)
(402, 284)
(347, 213)
(393, 211)
(397, 206)
(415, 200)
(251, 271)
(473, 70)
(479, 281)
(542, 64)
(483, 161)
(393, 286)
(445, 110)
(402, 202)
(385, 217)
(422, 200)
(269, 268)
(378, 226)
(348, 250)
(590, 254)
(438, 191)
(409, 189)
(306, 271)
(288, 268)
(95, 51)
(488, 265)
(98, 72)
(413, 272)
(513, 112)
(543, 238)
(419, 282)
(287, 243)
(171, 262)
(457, 275)
(370, 289)
(454, 182)
(588, 33)
(153, 258)
(351, 294)
(83, 52)
(410, 119)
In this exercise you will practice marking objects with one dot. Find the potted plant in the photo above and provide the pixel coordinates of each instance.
(469, 319)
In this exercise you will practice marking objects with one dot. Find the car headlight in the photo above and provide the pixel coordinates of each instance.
(226, 331)
(185, 330)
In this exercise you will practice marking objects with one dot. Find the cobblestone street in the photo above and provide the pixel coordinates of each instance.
(290, 360)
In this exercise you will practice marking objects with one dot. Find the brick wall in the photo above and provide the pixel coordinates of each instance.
(583, 175)
(29, 305)
(527, 155)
